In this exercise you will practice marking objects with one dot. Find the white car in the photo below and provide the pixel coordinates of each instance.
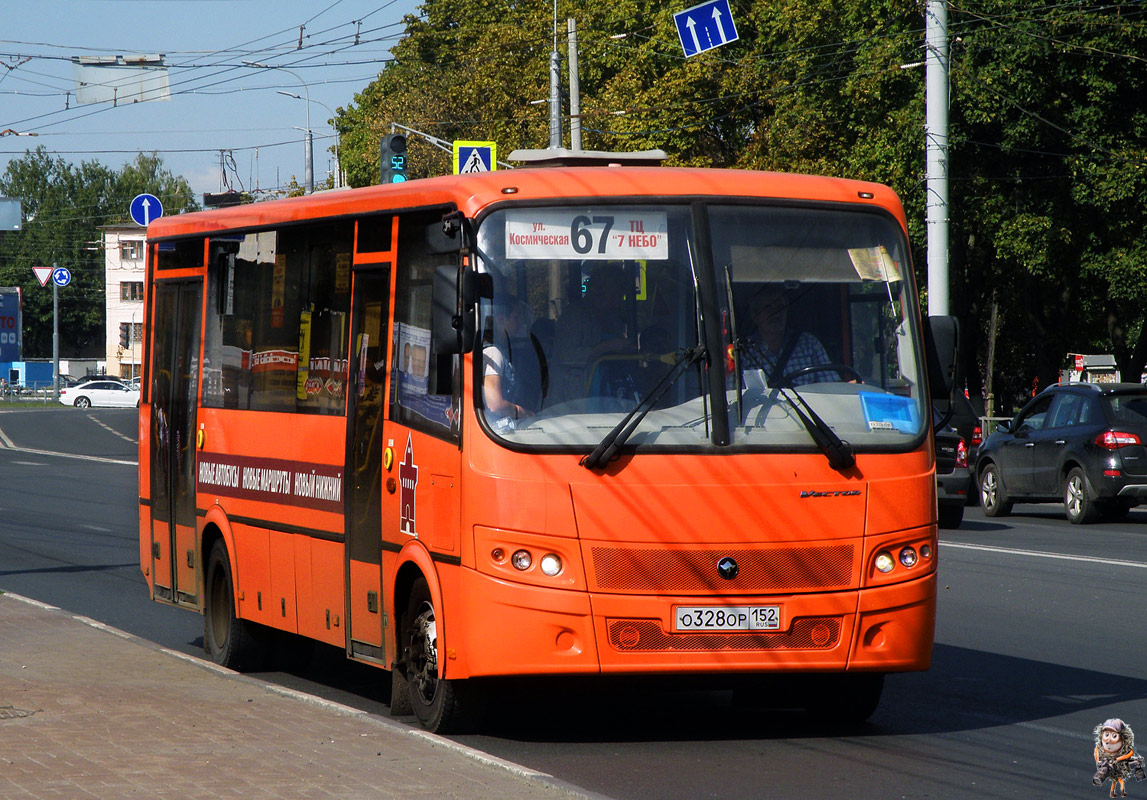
(100, 393)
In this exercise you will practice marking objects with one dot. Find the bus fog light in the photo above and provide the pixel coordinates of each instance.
(550, 564)
(521, 559)
(908, 557)
(925, 551)
(498, 554)
(884, 561)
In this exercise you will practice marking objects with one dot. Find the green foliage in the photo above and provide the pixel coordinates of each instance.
(1048, 191)
(64, 205)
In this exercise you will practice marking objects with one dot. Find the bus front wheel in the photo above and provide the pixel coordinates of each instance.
(441, 705)
(230, 641)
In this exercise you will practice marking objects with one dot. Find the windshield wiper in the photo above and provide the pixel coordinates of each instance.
(839, 452)
(607, 448)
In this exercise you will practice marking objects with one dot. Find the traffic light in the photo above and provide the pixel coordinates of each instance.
(392, 158)
(124, 335)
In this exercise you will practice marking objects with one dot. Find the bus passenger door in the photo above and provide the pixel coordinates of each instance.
(174, 390)
(369, 350)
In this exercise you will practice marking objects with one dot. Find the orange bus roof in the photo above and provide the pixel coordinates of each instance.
(472, 193)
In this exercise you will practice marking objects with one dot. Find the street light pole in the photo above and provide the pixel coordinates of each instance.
(338, 139)
(131, 333)
(308, 169)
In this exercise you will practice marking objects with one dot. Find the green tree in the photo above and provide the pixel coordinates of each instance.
(1046, 158)
(64, 205)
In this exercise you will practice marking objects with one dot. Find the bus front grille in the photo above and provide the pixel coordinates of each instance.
(644, 635)
(760, 570)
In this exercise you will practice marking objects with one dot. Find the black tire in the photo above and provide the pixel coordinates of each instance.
(847, 699)
(993, 496)
(399, 693)
(83, 402)
(1079, 498)
(441, 705)
(229, 641)
(951, 516)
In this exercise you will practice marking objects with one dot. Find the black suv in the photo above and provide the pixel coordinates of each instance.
(1079, 443)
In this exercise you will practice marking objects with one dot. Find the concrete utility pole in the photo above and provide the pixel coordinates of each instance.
(575, 89)
(55, 335)
(936, 135)
(555, 88)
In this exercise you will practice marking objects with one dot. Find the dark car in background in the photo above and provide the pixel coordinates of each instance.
(1081, 444)
(964, 419)
(967, 422)
(953, 477)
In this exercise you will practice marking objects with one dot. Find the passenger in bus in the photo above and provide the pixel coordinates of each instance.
(510, 373)
(590, 329)
(774, 350)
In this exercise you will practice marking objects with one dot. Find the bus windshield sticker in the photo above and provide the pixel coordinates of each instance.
(611, 234)
(890, 412)
(874, 264)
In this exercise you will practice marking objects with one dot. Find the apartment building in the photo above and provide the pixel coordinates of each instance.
(123, 282)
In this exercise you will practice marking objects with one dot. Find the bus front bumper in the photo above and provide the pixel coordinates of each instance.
(504, 628)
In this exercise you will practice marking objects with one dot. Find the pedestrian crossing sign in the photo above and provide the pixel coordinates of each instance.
(470, 157)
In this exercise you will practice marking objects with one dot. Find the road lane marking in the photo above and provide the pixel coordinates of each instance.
(7, 444)
(1111, 562)
(1087, 737)
(102, 459)
(110, 429)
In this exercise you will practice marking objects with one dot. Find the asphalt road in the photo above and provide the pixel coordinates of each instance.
(1038, 639)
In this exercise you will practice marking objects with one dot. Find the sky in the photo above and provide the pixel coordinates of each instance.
(224, 110)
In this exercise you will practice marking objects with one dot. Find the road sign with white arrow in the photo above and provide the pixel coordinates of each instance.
(145, 208)
(705, 26)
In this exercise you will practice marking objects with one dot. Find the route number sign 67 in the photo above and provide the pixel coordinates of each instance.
(587, 234)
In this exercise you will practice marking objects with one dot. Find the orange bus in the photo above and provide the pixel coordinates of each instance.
(542, 422)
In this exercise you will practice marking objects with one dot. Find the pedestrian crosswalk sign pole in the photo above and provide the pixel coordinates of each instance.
(470, 157)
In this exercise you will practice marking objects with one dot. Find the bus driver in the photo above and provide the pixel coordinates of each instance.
(775, 350)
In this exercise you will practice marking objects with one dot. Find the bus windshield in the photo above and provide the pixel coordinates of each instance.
(598, 311)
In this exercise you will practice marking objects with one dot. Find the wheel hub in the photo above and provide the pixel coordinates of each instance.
(424, 652)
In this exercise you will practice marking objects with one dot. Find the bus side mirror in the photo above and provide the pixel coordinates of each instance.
(447, 237)
(941, 345)
(455, 295)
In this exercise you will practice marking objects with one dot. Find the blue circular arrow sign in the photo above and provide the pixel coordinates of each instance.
(61, 276)
(145, 209)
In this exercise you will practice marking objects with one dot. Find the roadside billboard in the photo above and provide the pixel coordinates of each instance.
(11, 338)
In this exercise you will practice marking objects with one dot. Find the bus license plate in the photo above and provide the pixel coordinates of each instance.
(727, 618)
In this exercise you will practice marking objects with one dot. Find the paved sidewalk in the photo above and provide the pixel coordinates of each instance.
(90, 712)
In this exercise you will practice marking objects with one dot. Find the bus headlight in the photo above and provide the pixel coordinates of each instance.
(522, 560)
(884, 561)
(908, 557)
(550, 564)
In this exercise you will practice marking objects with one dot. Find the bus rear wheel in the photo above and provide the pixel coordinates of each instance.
(441, 705)
(230, 641)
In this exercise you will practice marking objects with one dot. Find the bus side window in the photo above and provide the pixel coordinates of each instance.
(277, 324)
(412, 401)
